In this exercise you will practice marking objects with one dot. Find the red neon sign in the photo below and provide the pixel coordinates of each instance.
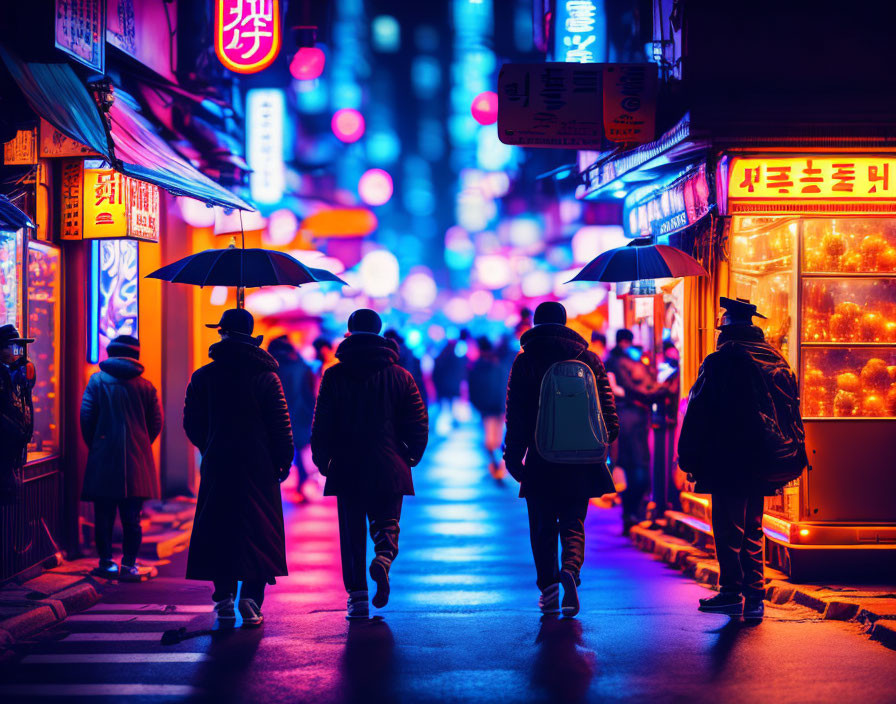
(247, 33)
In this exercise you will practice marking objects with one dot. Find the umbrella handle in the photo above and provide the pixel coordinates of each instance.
(240, 297)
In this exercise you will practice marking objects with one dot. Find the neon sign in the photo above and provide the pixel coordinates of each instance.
(579, 32)
(265, 112)
(247, 33)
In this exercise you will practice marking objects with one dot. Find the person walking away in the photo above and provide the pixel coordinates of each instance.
(742, 439)
(235, 413)
(120, 420)
(17, 378)
(598, 344)
(408, 360)
(488, 395)
(557, 493)
(298, 382)
(370, 427)
(638, 391)
(326, 356)
(448, 373)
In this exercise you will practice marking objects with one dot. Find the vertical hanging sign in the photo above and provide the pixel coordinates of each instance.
(265, 110)
(247, 33)
(80, 29)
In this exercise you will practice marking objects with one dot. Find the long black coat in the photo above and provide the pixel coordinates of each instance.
(488, 385)
(298, 384)
(236, 414)
(120, 420)
(370, 425)
(544, 345)
(16, 426)
(742, 431)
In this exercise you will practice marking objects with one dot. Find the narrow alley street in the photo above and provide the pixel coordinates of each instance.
(462, 624)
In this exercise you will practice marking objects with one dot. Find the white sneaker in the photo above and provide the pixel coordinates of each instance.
(225, 613)
(549, 601)
(251, 613)
(357, 606)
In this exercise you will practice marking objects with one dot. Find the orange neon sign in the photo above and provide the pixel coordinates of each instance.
(247, 34)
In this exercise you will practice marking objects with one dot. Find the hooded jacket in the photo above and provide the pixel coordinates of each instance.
(236, 415)
(370, 424)
(120, 420)
(543, 345)
(743, 431)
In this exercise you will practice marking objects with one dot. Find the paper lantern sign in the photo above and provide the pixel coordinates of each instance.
(247, 33)
(104, 204)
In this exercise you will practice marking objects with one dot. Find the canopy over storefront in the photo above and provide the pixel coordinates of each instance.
(131, 145)
(11, 218)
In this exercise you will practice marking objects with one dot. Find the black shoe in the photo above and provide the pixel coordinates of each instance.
(724, 603)
(106, 568)
(570, 604)
(379, 573)
(754, 609)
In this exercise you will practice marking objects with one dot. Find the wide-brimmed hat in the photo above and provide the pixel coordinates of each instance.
(740, 310)
(9, 335)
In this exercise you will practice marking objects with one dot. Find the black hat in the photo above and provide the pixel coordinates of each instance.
(10, 336)
(237, 323)
(550, 312)
(365, 320)
(740, 311)
(124, 346)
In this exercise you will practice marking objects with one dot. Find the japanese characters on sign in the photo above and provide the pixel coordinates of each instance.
(247, 33)
(830, 184)
(265, 110)
(21, 149)
(630, 102)
(72, 199)
(80, 31)
(54, 144)
(579, 32)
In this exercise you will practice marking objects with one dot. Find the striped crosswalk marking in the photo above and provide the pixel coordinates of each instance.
(91, 658)
(97, 690)
(177, 608)
(95, 637)
(146, 618)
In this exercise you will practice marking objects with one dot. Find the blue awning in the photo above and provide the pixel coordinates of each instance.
(11, 218)
(132, 146)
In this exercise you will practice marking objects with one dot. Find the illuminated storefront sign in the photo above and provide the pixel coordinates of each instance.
(822, 184)
(579, 31)
(671, 209)
(265, 110)
(101, 203)
(21, 149)
(81, 31)
(247, 33)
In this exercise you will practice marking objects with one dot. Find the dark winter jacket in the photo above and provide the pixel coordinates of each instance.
(544, 345)
(488, 385)
(448, 372)
(120, 420)
(298, 383)
(742, 431)
(370, 424)
(16, 425)
(236, 414)
(641, 389)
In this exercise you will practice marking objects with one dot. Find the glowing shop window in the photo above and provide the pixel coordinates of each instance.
(10, 274)
(115, 303)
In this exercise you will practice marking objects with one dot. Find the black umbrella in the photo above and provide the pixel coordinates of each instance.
(640, 259)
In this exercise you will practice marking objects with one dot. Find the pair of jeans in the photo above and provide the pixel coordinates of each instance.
(104, 521)
(383, 514)
(552, 518)
(252, 589)
(737, 531)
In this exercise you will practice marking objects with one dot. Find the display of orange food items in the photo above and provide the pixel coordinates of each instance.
(845, 404)
(871, 248)
(871, 327)
(887, 259)
(852, 262)
(833, 244)
(875, 376)
(891, 401)
(873, 406)
(848, 382)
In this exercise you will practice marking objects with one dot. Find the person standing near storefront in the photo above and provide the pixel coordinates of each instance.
(370, 427)
(120, 419)
(17, 379)
(557, 495)
(636, 391)
(742, 439)
(236, 415)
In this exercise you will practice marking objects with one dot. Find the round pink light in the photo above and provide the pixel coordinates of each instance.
(375, 187)
(307, 64)
(348, 125)
(485, 108)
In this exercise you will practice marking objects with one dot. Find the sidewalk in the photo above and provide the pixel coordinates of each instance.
(873, 606)
(32, 603)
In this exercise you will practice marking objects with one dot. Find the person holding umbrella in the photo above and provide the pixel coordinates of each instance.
(17, 379)
(236, 415)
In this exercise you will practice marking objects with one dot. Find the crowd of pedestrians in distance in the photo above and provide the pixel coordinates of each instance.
(564, 410)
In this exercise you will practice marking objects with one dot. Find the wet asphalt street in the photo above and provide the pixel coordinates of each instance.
(462, 625)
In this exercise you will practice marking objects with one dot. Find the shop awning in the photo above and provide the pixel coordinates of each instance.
(134, 148)
(11, 218)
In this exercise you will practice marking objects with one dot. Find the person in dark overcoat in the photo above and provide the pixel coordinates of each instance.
(557, 495)
(488, 394)
(742, 439)
(236, 415)
(448, 373)
(370, 427)
(120, 419)
(17, 378)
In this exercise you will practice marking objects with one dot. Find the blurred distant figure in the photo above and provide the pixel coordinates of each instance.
(488, 394)
(236, 415)
(370, 427)
(326, 355)
(448, 373)
(635, 391)
(298, 383)
(408, 360)
(525, 323)
(120, 420)
(598, 345)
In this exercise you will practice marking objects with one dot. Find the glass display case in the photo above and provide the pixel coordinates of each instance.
(43, 326)
(10, 278)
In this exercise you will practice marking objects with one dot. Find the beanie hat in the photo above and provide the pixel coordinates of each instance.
(550, 312)
(124, 346)
(365, 320)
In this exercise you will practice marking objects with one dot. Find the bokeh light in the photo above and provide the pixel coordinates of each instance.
(375, 187)
(485, 108)
(282, 227)
(196, 213)
(308, 63)
(386, 33)
(379, 273)
(493, 270)
(348, 125)
(419, 289)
